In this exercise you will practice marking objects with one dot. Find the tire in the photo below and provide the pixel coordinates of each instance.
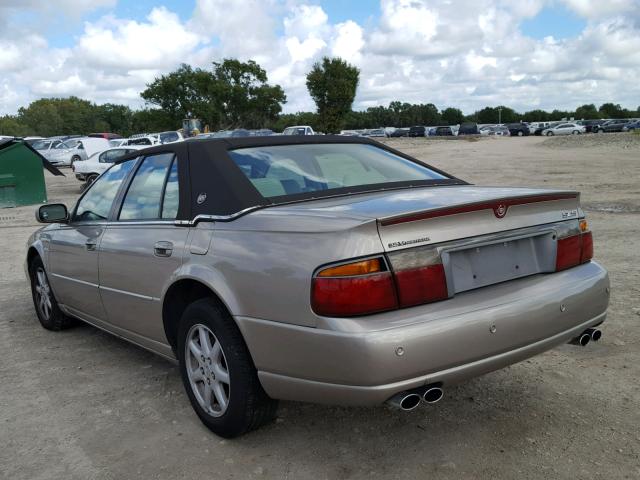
(90, 179)
(549, 134)
(74, 159)
(226, 357)
(47, 309)
(600, 130)
(520, 133)
(575, 132)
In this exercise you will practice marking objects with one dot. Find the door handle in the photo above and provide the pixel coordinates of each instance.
(163, 249)
(90, 245)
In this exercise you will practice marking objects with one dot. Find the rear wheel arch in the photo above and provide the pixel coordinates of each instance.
(178, 296)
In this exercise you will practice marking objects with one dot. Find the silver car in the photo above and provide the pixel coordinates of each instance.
(322, 269)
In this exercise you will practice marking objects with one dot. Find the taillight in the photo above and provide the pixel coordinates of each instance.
(421, 285)
(574, 249)
(370, 286)
(357, 288)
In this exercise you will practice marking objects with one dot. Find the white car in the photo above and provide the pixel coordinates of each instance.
(565, 129)
(76, 149)
(88, 170)
(45, 146)
(170, 137)
(118, 142)
(144, 140)
(299, 130)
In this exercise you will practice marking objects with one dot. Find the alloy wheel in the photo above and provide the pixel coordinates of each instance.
(207, 370)
(43, 294)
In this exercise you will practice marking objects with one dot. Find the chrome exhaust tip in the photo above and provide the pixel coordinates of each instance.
(583, 339)
(432, 395)
(405, 401)
(594, 333)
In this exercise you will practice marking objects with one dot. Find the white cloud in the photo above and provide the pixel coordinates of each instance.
(159, 43)
(466, 53)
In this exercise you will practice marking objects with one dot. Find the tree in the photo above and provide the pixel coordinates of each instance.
(610, 110)
(587, 112)
(452, 116)
(332, 85)
(234, 94)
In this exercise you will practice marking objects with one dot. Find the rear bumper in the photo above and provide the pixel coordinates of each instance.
(444, 342)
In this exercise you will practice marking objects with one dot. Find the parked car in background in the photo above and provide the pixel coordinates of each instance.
(590, 125)
(518, 129)
(495, 130)
(631, 126)
(611, 126)
(468, 128)
(118, 142)
(32, 140)
(88, 170)
(326, 269)
(417, 131)
(375, 133)
(399, 132)
(564, 128)
(542, 126)
(443, 132)
(106, 135)
(170, 137)
(76, 149)
(146, 140)
(299, 130)
(44, 146)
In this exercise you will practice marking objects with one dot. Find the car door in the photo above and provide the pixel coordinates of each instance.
(73, 248)
(143, 247)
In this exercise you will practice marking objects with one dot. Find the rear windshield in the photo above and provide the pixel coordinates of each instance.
(278, 171)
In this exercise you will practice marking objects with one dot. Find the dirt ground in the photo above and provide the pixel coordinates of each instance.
(83, 404)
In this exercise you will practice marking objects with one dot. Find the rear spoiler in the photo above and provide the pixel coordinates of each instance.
(499, 207)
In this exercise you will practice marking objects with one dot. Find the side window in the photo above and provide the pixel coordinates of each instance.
(96, 203)
(171, 191)
(143, 201)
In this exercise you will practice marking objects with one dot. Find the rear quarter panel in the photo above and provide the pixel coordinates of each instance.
(261, 265)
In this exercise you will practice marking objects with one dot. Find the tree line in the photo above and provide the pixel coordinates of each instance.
(234, 94)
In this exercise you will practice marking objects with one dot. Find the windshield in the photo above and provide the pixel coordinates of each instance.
(293, 169)
(67, 145)
(41, 145)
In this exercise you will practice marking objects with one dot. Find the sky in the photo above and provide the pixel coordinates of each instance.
(468, 54)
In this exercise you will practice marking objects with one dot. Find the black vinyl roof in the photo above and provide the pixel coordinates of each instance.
(212, 175)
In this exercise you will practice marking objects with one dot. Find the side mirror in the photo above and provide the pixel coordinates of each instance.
(52, 213)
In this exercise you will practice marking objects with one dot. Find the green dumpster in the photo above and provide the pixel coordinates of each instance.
(21, 174)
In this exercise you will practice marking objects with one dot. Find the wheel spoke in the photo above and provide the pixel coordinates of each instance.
(207, 396)
(221, 397)
(205, 343)
(221, 374)
(196, 374)
(216, 352)
(193, 347)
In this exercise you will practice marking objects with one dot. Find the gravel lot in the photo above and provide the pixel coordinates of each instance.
(83, 404)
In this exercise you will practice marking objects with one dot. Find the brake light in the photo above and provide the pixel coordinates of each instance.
(575, 249)
(421, 285)
(369, 286)
(357, 288)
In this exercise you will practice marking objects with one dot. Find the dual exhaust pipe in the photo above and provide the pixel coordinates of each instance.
(585, 337)
(410, 399)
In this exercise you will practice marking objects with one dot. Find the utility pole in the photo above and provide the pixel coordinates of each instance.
(499, 115)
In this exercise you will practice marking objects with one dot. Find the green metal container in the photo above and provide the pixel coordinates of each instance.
(21, 175)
